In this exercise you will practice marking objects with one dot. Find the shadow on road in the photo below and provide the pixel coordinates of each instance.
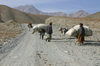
(72, 38)
(59, 40)
(92, 43)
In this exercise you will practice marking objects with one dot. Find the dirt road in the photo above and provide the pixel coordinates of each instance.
(61, 51)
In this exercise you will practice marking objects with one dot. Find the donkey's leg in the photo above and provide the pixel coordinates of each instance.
(40, 35)
(43, 35)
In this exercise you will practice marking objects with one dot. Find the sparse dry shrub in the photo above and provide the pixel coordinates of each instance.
(9, 30)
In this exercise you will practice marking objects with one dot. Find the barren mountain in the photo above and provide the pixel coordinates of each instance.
(31, 9)
(80, 13)
(28, 9)
(7, 13)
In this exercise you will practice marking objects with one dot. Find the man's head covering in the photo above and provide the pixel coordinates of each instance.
(50, 23)
(81, 24)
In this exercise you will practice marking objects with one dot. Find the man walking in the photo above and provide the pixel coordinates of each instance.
(49, 32)
(81, 34)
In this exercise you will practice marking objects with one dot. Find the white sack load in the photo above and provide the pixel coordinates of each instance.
(39, 26)
(75, 31)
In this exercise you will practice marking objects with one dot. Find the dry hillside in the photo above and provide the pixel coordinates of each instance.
(7, 13)
(96, 15)
(8, 31)
(69, 22)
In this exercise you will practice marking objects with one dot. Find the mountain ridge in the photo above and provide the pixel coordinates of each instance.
(7, 13)
(80, 13)
(26, 8)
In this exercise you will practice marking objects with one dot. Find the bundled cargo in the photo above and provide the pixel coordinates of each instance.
(38, 27)
(75, 31)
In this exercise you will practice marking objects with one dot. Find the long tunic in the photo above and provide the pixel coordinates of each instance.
(81, 35)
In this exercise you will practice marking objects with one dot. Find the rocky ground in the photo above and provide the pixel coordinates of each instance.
(8, 31)
(61, 51)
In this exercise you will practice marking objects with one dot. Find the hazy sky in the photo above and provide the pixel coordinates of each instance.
(67, 6)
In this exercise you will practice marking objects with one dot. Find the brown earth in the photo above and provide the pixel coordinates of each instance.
(7, 13)
(9, 31)
(70, 22)
(95, 15)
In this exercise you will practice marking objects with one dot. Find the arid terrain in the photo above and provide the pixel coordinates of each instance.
(8, 31)
(7, 13)
(61, 51)
(19, 47)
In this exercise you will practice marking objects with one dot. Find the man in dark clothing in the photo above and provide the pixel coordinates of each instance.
(49, 32)
(81, 34)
